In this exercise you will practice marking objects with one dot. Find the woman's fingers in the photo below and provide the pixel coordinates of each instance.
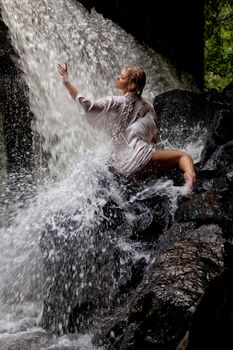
(190, 179)
(62, 70)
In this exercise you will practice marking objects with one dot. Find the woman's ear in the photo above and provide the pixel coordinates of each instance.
(132, 87)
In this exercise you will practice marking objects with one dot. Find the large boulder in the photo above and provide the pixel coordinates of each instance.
(212, 322)
(157, 312)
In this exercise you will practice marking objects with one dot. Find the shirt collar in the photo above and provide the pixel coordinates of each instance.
(131, 95)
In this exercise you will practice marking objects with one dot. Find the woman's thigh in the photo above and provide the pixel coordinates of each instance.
(169, 157)
(162, 160)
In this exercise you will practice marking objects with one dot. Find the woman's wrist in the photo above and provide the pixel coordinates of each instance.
(65, 79)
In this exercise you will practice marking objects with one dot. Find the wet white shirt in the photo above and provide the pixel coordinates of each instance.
(131, 123)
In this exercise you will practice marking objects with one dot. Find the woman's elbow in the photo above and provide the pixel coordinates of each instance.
(154, 138)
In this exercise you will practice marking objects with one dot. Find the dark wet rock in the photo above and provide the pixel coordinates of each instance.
(14, 107)
(201, 208)
(178, 106)
(151, 218)
(212, 322)
(211, 203)
(132, 274)
(185, 109)
(220, 161)
(7, 53)
(220, 130)
(229, 176)
(228, 257)
(158, 311)
(147, 212)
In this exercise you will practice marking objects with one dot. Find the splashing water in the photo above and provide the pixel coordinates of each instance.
(45, 33)
(21, 264)
(165, 188)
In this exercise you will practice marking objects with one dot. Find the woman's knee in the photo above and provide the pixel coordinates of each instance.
(187, 157)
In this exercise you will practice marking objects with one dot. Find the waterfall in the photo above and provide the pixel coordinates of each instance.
(45, 33)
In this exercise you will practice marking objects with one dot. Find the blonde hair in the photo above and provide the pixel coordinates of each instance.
(137, 76)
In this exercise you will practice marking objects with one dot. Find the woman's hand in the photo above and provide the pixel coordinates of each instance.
(190, 179)
(63, 71)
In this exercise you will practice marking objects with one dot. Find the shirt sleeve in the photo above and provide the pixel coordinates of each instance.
(98, 112)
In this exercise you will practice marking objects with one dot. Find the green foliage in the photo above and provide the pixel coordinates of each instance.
(218, 51)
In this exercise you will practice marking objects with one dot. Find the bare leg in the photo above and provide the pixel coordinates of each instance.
(166, 159)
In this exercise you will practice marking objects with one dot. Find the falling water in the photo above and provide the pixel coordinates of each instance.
(45, 33)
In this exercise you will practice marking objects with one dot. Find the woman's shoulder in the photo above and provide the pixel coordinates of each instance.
(117, 101)
(146, 102)
(114, 98)
(147, 106)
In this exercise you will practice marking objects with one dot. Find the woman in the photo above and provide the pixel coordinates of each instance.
(131, 122)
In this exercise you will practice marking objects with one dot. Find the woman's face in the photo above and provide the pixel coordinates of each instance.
(122, 81)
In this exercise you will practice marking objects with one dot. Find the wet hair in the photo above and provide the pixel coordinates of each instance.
(137, 76)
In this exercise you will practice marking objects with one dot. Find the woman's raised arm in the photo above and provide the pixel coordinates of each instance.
(63, 71)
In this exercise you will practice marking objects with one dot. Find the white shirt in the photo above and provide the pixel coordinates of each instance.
(131, 122)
